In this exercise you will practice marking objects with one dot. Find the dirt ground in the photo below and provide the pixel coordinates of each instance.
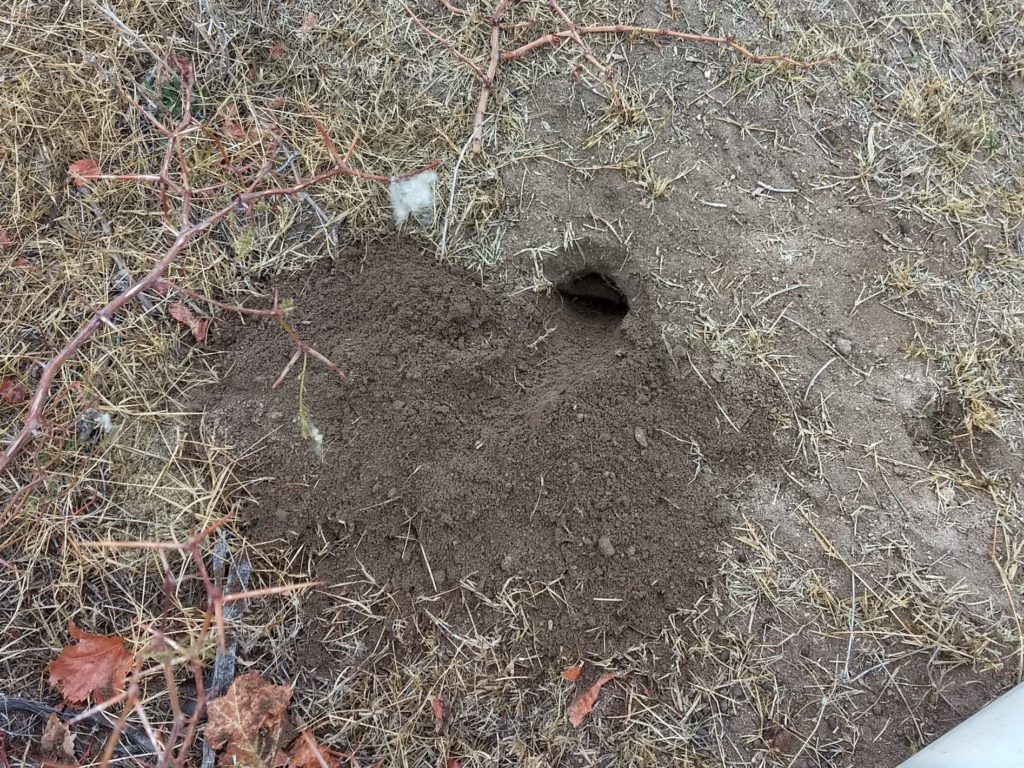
(714, 385)
(492, 436)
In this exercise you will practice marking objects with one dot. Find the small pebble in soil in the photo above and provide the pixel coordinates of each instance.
(641, 436)
(844, 346)
(605, 546)
(508, 563)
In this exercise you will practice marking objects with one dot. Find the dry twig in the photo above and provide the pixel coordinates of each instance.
(258, 188)
(575, 33)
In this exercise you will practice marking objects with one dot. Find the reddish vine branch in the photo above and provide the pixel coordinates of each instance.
(690, 37)
(576, 34)
(189, 230)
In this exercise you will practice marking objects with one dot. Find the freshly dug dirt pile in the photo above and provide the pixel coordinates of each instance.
(549, 435)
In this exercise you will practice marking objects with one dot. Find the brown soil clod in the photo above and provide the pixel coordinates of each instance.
(484, 435)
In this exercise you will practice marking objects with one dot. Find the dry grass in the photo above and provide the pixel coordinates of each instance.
(933, 104)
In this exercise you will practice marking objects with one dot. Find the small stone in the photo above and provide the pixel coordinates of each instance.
(631, 551)
(641, 436)
(392, 492)
(275, 415)
(844, 346)
(783, 741)
(508, 563)
(605, 546)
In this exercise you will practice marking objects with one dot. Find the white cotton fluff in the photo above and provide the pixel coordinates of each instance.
(415, 196)
(311, 432)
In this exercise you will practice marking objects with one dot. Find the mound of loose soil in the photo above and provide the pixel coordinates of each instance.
(488, 434)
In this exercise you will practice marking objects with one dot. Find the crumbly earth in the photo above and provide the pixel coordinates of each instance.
(481, 435)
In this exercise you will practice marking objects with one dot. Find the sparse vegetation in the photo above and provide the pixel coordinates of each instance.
(869, 593)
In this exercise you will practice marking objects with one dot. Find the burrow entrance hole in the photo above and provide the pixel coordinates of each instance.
(595, 296)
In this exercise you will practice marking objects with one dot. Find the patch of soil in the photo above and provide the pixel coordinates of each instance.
(546, 435)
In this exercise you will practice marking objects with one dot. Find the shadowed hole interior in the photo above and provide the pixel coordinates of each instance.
(594, 295)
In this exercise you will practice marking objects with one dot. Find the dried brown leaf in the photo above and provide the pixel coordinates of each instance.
(309, 23)
(305, 753)
(5, 240)
(93, 666)
(233, 130)
(82, 171)
(199, 326)
(581, 708)
(247, 722)
(572, 674)
(58, 742)
(438, 706)
(11, 393)
(183, 67)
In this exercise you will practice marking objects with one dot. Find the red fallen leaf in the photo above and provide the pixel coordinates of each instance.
(304, 754)
(247, 722)
(5, 240)
(581, 708)
(84, 170)
(572, 674)
(183, 67)
(11, 393)
(276, 52)
(438, 706)
(451, 762)
(93, 666)
(198, 325)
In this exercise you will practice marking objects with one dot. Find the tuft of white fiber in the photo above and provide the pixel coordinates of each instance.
(414, 197)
